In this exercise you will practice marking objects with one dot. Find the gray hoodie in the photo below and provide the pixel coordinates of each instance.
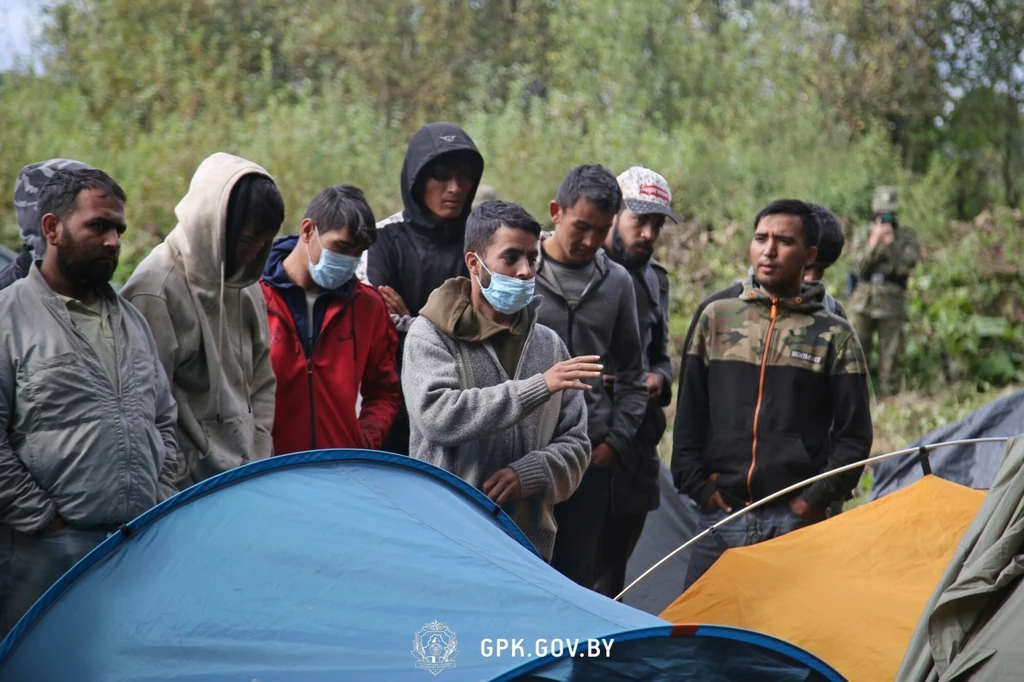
(211, 332)
(468, 417)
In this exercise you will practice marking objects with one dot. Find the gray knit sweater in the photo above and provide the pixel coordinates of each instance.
(469, 418)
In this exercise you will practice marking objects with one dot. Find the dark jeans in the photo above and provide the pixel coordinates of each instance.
(764, 523)
(30, 564)
(581, 521)
(621, 533)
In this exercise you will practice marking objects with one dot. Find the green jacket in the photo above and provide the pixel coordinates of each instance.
(883, 272)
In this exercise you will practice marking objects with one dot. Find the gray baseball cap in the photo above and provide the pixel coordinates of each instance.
(644, 191)
(27, 188)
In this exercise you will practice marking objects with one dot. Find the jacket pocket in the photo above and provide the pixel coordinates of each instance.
(52, 397)
(230, 444)
(782, 460)
(727, 459)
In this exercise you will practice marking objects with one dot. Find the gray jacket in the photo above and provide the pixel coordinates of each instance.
(69, 443)
(604, 323)
(468, 417)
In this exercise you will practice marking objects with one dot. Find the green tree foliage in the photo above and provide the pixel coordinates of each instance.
(736, 102)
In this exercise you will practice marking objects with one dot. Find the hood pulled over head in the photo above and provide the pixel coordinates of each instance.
(209, 219)
(27, 188)
(429, 143)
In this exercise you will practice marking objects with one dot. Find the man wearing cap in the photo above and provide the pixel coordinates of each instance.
(882, 264)
(646, 206)
(27, 189)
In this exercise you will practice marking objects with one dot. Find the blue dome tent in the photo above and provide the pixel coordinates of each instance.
(350, 565)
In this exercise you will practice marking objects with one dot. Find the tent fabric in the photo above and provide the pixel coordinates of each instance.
(849, 589)
(974, 466)
(694, 653)
(667, 527)
(971, 626)
(302, 567)
(316, 567)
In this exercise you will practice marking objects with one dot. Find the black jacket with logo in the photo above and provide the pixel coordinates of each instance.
(774, 391)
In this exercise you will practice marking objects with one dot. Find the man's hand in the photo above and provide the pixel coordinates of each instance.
(394, 301)
(503, 486)
(567, 374)
(604, 456)
(798, 505)
(882, 232)
(655, 384)
(56, 525)
(716, 502)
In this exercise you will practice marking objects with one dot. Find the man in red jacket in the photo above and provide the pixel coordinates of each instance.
(331, 337)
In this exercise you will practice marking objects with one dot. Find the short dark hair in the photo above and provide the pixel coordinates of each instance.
(830, 235)
(256, 199)
(486, 218)
(59, 195)
(344, 206)
(592, 182)
(797, 208)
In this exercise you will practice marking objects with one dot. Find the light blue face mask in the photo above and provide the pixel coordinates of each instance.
(506, 294)
(334, 269)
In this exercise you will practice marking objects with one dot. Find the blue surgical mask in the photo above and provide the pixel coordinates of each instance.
(506, 294)
(334, 269)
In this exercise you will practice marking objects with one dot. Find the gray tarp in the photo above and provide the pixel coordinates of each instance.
(973, 466)
(973, 625)
(670, 525)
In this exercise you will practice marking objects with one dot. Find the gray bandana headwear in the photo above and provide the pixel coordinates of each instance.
(31, 180)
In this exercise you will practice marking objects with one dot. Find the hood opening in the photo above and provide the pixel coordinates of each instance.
(428, 144)
(255, 206)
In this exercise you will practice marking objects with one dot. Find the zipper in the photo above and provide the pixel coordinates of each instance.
(569, 333)
(290, 323)
(312, 404)
(760, 396)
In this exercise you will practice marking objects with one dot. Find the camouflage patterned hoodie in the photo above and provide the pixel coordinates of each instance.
(765, 380)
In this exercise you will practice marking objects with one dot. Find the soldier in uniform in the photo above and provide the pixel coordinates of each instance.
(886, 253)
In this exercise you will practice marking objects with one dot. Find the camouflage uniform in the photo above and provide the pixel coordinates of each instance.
(879, 301)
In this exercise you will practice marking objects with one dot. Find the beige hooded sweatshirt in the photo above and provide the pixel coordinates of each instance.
(211, 333)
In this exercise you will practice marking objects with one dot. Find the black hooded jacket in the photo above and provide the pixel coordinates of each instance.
(419, 253)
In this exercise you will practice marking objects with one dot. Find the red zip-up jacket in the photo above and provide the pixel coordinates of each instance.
(316, 396)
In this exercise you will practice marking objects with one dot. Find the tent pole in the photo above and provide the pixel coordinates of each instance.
(797, 486)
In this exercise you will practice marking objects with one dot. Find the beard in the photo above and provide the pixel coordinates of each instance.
(629, 260)
(85, 266)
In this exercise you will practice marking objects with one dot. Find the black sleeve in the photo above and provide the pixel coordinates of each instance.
(692, 419)
(852, 433)
(658, 352)
(630, 400)
(378, 261)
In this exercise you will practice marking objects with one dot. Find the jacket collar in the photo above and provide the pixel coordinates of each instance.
(810, 299)
(601, 268)
(38, 284)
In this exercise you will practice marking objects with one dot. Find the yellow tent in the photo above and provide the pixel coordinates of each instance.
(849, 590)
